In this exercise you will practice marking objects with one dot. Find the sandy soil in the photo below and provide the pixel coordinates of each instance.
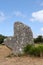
(4, 51)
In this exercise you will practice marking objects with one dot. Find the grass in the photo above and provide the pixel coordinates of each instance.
(41, 44)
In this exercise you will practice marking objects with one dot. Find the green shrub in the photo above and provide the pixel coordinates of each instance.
(27, 48)
(34, 51)
(41, 50)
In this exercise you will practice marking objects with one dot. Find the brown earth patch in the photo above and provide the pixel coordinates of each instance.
(25, 60)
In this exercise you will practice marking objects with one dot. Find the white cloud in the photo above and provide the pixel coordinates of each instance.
(32, 19)
(42, 29)
(19, 14)
(37, 16)
(2, 16)
(34, 36)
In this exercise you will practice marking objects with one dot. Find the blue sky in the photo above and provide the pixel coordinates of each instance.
(30, 12)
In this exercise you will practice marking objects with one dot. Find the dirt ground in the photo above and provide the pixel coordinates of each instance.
(4, 60)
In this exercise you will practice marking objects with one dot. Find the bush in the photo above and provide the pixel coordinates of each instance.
(41, 50)
(27, 48)
(34, 51)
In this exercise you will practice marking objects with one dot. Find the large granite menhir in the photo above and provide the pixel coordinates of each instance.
(22, 36)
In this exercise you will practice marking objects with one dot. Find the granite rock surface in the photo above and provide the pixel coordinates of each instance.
(22, 36)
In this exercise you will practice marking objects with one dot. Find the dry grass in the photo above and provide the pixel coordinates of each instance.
(4, 51)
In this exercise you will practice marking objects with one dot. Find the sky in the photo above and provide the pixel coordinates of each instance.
(29, 12)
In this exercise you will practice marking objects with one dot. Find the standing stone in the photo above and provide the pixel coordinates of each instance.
(22, 36)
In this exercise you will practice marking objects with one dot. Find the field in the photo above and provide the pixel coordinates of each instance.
(25, 60)
(39, 44)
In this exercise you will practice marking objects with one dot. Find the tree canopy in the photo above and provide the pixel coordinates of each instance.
(2, 37)
(38, 39)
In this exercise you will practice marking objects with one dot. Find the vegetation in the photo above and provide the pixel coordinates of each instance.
(2, 38)
(27, 48)
(39, 39)
(34, 50)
